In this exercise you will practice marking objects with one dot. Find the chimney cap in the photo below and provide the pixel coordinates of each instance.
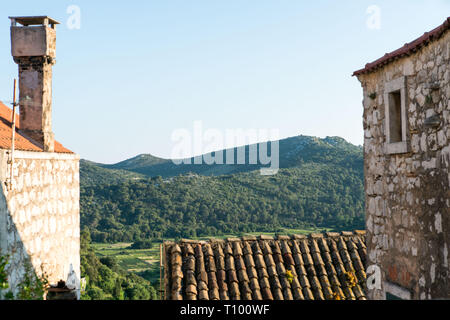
(33, 20)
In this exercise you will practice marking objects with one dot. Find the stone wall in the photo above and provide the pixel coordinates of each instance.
(408, 194)
(35, 94)
(39, 216)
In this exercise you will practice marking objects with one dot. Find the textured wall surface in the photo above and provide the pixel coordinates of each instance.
(408, 194)
(35, 89)
(39, 216)
(33, 49)
(33, 41)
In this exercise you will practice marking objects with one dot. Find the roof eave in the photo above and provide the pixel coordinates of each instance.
(407, 49)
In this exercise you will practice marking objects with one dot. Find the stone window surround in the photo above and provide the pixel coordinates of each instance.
(396, 85)
(396, 290)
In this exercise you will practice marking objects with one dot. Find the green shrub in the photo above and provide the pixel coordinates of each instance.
(3, 275)
(142, 244)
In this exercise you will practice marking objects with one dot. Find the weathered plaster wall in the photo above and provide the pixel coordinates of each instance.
(408, 195)
(40, 215)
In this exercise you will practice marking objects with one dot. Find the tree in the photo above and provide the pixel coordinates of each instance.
(142, 244)
(106, 280)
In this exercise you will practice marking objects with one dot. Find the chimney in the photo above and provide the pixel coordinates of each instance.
(33, 46)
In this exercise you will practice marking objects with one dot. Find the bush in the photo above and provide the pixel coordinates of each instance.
(143, 244)
(95, 293)
(3, 275)
(110, 262)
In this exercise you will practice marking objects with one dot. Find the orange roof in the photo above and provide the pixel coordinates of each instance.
(22, 142)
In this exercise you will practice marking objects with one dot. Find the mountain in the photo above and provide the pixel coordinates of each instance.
(92, 173)
(140, 161)
(319, 184)
(292, 152)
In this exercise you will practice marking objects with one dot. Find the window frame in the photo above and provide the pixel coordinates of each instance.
(397, 291)
(396, 85)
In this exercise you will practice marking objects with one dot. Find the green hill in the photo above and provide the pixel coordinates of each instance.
(292, 152)
(320, 184)
(92, 173)
(140, 161)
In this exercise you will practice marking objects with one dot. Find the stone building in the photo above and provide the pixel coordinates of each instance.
(316, 267)
(406, 163)
(39, 200)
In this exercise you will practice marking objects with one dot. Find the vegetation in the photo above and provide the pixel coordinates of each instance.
(92, 174)
(127, 208)
(311, 195)
(142, 244)
(32, 286)
(292, 152)
(106, 280)
(145, 262)
(3, 276)
(143, 200)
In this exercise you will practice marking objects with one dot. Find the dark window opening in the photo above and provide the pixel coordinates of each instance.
(390, 296)
(395, 117)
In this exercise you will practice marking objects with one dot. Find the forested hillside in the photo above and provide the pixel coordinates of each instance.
(321, 184)
(292, 152)
(94, 174)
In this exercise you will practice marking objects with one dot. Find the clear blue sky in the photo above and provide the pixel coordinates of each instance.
(137, 70)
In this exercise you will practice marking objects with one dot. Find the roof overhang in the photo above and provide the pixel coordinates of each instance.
(407, 49)
(34, 20)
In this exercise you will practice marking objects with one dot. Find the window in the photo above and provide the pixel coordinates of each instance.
(395, 117)
(395, 292)
(395, 104)
(390, 296)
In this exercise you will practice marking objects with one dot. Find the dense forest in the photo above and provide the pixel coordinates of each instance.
(191, 206)
(320, 185)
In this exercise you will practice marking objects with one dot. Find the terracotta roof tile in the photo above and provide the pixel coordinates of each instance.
(407, 49)
(22, 142)
(316, 267)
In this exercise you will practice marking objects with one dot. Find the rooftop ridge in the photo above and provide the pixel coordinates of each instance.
(407, 49)
(265, 237)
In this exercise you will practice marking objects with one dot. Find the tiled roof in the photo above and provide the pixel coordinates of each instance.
(22, 142)
(407, 49)
(315, 267)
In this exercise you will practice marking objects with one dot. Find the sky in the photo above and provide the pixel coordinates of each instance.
(131, 73)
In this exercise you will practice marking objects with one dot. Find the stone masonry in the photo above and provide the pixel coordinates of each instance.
(407, 178)
(40, 183)
(39, 216)
(34, 50)
(36, 85)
